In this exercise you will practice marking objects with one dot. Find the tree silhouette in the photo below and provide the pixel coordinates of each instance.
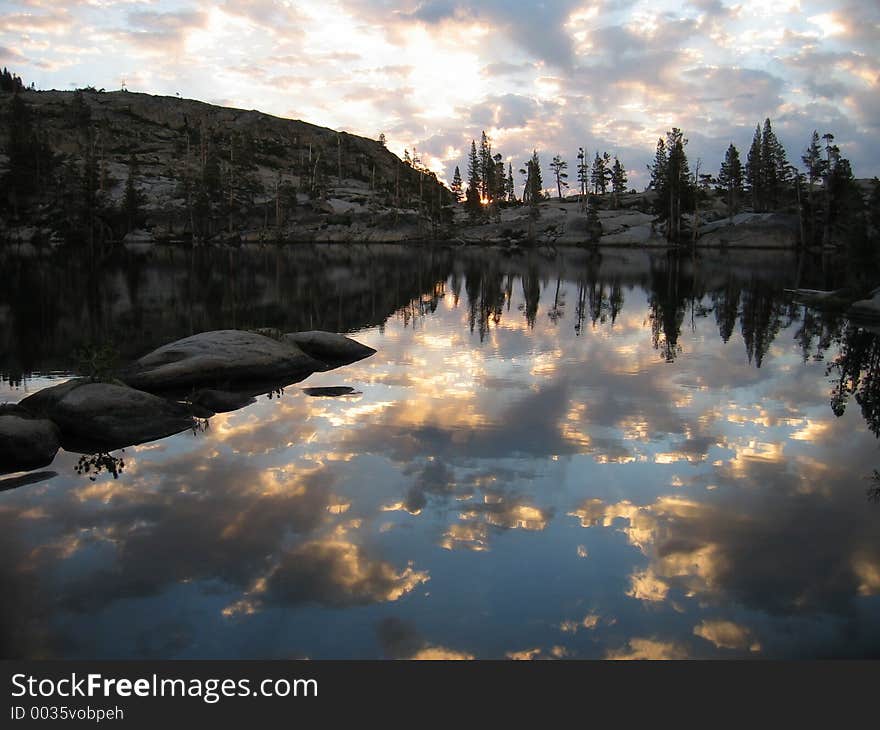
(618, 181)
(559, 167)
(754, 175)
(816, 169)
(774, 168)
(670, 177)
(730, 178)
(472, 194)
(456, 185)
(534, 186)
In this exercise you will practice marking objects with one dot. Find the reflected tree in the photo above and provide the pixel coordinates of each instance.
(816, 332)
(857, 374)
(726, 305)
(93, 465)
(486, 294)
(761, 320)
(557, 311)
(531, 285)
(670, 292)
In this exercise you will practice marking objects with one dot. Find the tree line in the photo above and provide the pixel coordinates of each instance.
(489, 185)
(825, 196)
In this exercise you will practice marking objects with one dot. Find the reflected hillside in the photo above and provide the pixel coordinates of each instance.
(139, 302)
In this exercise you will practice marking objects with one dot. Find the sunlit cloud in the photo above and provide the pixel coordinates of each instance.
(727, 635)
(639, 648)
(609, 76)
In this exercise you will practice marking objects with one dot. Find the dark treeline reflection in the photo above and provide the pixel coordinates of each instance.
(137, 302)
(743, 292)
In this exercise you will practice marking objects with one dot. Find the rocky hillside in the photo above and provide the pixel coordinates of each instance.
(99, 167)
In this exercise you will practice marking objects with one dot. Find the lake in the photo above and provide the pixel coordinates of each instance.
(571, 454)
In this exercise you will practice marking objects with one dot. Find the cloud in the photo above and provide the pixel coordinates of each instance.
(337, 573)
(399, 639)
(642, 649)
(553, 76)
(727, 635)
(161, 33)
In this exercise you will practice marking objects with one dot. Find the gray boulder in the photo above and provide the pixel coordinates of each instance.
(42, 402)
(763, 230)
(866, 308)
(105, 416)
(26, 442)
(218, 358)
(329, 347)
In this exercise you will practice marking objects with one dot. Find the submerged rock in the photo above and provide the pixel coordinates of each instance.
(220, 401)
(821, 298)
(22, 481)
(866, 308)
(105, 416)
(218, 358)
(333, 391)
(329, 347)
(26, 442)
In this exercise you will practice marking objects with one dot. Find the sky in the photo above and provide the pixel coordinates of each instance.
(606, 75)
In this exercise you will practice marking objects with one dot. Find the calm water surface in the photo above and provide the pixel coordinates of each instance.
(614, 455)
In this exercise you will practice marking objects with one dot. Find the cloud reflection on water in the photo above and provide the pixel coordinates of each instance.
(718, 502)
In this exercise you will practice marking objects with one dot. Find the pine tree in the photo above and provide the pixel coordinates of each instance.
(678, 182)
(472, 194)
(10, 82)
(598, 175)
(456, 185)
(533, 191)
(618, 181)
(670, 177)
(606, 170)
(487, 168)
(754, 178)
(30, 159)
(846, 212)
(511, 186)
(816, 168)
(498, 186)
(583, 173)
(832, 153)
(559, 167)
(659, 168)
(774, 168)
(730, 178)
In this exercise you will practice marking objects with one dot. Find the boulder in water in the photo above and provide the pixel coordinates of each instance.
(26, 442)
(220, 358)
(329, 347)
(105, 416)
